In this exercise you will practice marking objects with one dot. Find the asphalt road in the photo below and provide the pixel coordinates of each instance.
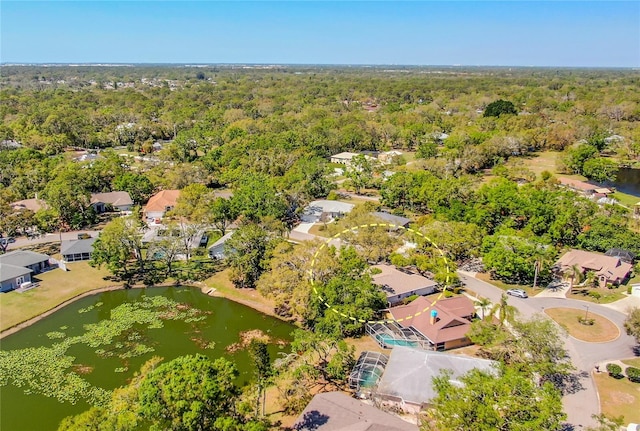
(580, 405)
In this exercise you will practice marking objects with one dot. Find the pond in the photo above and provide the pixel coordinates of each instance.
(97, 343)
(628, 181)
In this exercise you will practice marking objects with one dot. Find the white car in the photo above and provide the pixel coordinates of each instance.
(517, 292)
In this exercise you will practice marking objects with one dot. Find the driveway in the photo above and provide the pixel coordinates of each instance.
(581, 405)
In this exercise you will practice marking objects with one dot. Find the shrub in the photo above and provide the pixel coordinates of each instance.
(633, 374)
(332, 196)
(595, 295)
(586, 321)
(614, 370)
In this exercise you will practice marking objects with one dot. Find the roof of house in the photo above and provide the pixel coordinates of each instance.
(409, 372)
(393, 219)
(327, 206)
(161, 200)
(397, 282)
(113, 198)
(23, 258)
(77, 246)
(30, 204)
(345, 155)
(575, 184)
(222, 240)
(11, 272)
(335, 411)
(610, 267)
(450, 323)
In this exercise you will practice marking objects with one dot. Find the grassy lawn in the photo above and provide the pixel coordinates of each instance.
(538, 162)
(602, 330)
(625, 199)
(56, 286)
(249, 297)
(606, 295)
(618, 397)
(319, 230)
(635, 362)
(485, 276)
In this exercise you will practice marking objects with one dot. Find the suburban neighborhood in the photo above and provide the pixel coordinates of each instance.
(328, 248)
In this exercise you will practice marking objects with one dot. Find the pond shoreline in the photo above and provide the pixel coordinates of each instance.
(254, 304)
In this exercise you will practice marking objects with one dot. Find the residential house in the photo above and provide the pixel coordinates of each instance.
(393, 219)
(160, 203)
(34, 205)
(77, 250)
(343, 158)
(407, 382)
(398, 285)
(444, 323)
(37, 262)
(584, 188)
(117, 201)
(335, 411)
(12, 276)
(608, 269)
(325, 210)
(388, 156)
(216, 251)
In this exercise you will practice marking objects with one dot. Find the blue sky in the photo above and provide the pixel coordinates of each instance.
(505, 33)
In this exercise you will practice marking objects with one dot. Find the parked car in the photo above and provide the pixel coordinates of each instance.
(84, 236)
(204, 240)
(8, 240)
(517, 292)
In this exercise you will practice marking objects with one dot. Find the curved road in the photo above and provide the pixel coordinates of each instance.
(582, 404)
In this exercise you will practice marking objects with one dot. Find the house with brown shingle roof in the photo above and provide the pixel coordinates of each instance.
(160, 203)
(444, 323)
(119, 201)
(335, 411)
(608, 269)
(398, 285)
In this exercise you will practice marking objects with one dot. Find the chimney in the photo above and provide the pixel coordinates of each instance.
(434, 315)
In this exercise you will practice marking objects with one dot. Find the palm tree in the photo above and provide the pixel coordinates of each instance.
(575, 274)
(506, 312)
(483, 303)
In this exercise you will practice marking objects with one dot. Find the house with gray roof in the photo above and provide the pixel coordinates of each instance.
(117, 201)
(393, 219)
(335, 411)
(216, 251)
(398, 285)
(37, 262)
(407, 379)
(325, 210)
(12, 276)
(77, 250)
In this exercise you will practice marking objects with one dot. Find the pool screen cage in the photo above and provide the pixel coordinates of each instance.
(367, 371)
(391, 334)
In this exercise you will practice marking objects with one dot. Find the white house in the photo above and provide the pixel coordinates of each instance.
(343, 158)
(398, 285)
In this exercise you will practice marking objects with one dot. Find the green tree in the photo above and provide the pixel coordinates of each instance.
(503, 311)
(262, 370)
(138, 186)
(188, 393)
(509, 401)
(119, 243)
(360, 172)
(600, 169)
(632, 323)
(68, 195)
(500, 107)
(574, 159)
(248, 251)
(221, 213)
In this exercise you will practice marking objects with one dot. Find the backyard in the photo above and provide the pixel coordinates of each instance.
(56, 286)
